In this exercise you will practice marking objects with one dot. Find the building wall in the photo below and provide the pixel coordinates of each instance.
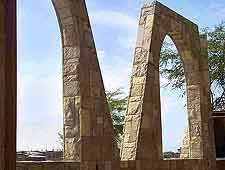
(48, 166)
(124, 165)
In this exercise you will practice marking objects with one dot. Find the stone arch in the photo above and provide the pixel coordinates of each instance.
(88, 128)
(142, 132)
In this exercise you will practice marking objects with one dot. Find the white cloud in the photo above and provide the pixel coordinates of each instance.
(116, 75)
(114, 19)
(118, 21)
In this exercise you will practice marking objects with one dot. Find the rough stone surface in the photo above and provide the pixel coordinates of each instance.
(48, 166)
(124, 165)
(142, 131)
(88, 128)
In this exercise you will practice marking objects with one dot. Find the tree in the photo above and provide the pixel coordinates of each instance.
(117, 102)
(172, 67)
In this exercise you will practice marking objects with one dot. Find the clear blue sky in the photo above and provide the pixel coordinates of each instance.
(114, 24)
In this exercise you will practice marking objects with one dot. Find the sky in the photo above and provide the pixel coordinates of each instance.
(114, 24)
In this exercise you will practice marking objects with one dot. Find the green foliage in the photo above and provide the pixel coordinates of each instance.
(216, 53)
(172, 68)
(117, 102)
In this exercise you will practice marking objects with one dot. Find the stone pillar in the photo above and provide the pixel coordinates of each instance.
(142, 129)
(88, 128)
(8, 84)
(209, 149)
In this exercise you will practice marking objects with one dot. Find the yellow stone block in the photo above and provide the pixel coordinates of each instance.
(85, 123)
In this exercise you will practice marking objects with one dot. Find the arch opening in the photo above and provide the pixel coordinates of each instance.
(173, 100)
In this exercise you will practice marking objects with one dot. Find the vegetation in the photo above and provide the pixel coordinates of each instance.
(117, 102)
(172, 68)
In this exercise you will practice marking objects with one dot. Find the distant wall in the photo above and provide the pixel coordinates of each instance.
(48, 166)
(124, 165)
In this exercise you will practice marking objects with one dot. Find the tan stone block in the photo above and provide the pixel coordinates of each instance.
(140, 70)
(138, 80)
(95, 78)
(135, 99)
(77, 101)
(71, 78)
(70, 36)
(142, 20)
(130, 137)
(85, 123)
(61, 4)
(186, 55)
(71, 88)
(149, 21)
(71, 68)
(95, 91)
(64, 12)
(124, 164)
(72, 165)
(71, 52)
(134, 108)
(100, 120)
(70, 112)
(137, 90)
(129, 153)
(146, 122)
(71, 132)
(148, 9)
(108, 165)
(72, 149)
(140, 56)
(67, 21)
(132, 123)
(88, 103)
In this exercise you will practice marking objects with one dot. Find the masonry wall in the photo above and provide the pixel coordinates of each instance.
(124, 165)
(220, 165)
(48, 166)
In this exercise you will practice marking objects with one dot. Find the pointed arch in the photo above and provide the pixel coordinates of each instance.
(143, 120)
